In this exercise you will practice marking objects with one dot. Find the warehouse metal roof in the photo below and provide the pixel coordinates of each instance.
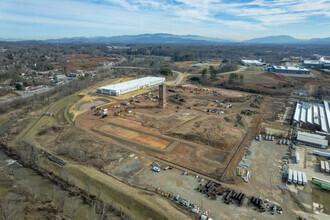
(314, 113)
(312, 138)
(256, 62)
(132, 83)
(294, 68)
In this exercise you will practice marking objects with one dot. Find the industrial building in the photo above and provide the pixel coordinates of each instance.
(132, 85)
(252, 62)
(315, 116)
(321, 62)
(313, 140)
(289, 70)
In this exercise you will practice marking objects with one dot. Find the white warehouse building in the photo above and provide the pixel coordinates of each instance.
(252, 62)
(132, 85)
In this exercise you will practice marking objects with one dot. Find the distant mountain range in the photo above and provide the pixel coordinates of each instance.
(182, 39)
(286, 39)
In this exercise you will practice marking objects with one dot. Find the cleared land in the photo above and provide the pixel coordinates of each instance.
(186, 132)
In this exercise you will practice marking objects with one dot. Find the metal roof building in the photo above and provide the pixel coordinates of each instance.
(314, 140)
(132, 85)
(321, 62)
(290, 70)
(313, 114)
(252, 63)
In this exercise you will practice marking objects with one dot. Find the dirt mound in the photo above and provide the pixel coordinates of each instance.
(212, 131)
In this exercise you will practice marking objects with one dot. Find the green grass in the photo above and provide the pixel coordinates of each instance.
(322, 197)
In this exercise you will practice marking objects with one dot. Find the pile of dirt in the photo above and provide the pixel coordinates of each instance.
(212, 131)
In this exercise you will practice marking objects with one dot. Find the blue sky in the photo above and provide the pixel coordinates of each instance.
(235, 19)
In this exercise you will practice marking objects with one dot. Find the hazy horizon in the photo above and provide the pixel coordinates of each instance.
(233, 20)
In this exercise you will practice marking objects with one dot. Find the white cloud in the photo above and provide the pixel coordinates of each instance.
(176, 16)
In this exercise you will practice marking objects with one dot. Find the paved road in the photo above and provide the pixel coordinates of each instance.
(128, 67)
(241, 69)
(27, 95)
(179, 78)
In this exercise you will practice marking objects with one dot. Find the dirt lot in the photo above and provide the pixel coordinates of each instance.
(89, 105)
(310, 164)
(184, 185)
(186, 132)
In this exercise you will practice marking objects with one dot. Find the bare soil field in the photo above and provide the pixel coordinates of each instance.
(135, 136)
(201, 140)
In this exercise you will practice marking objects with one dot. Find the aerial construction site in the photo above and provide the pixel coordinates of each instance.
(128, 144)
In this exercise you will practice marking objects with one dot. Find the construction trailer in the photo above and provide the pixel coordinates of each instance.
(322, 166)
(290, 176)
(295, 176)
(326, 163)
(304, 178)
(297, 158)
(322, 153)
(300, 180)
(321, 183)
(132, 85)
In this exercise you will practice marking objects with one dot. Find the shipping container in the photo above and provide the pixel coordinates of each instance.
(322, 166)
(304, 177)
(326, 166)
(290, 176)
(300, 181)
(295, 176)
(322, 183)
(297, 158)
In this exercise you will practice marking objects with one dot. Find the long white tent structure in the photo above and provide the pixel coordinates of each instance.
(132, 85)
(313, 114)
